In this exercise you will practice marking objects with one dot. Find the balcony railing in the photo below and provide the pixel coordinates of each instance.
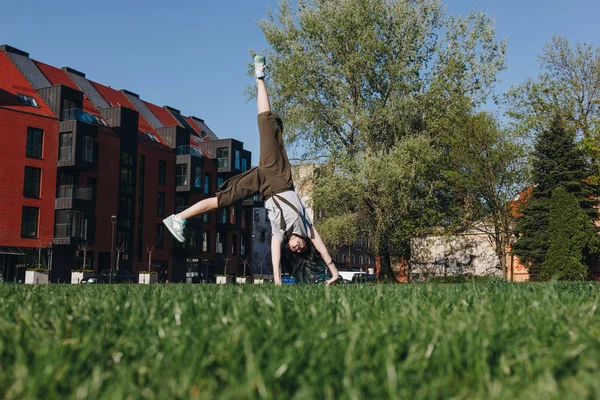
(65, 153)
(66, 230)
(78, 114)
(185, 150)
(75, 192)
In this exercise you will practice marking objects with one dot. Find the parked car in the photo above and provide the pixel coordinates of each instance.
(364, 278)
(323, 278)
(117, 277)
(121, 276)
(96, 278)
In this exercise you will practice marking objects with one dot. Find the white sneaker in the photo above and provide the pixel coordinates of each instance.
(175, 227)
(259, 66)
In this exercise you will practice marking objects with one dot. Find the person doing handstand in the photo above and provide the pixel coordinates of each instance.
(272, 178)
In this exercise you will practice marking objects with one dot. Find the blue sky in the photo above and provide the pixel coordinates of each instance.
(191, 54)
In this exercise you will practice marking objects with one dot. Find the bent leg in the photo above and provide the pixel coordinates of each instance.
(239, 187)
(200, 207)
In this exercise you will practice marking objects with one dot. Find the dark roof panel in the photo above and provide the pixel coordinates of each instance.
(89, 90)
(144, 110)
(31, 72)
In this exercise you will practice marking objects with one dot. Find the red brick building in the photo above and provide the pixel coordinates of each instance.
(76, 153)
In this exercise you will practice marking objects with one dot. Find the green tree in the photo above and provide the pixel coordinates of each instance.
(356, 80)
(557, 161)
(389, 194)
(486, 171)
(569, 84)
(572, 238)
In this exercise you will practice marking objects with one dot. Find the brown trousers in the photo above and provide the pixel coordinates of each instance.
(273, 174)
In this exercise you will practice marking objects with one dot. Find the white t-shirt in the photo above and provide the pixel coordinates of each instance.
(294, 223)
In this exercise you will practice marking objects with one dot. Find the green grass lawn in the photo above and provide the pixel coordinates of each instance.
(421, 341)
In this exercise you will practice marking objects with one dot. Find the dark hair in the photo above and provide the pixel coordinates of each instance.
(304, 266)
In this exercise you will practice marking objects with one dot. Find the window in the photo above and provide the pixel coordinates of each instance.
(182, 175)
(205, 241)
(88, 148)
(142, 173)
(162, 172)
(360, 260)
(222, 215)
(233, 245)
(161, 204)
(31, 187)
(266, 215)
(127, 186)
(92, 184)
(219, 247)
(344, 258)
(198, 178)
(29, 222)
(244, 164)
(256, 215)
(223, 157)
(206, 218)
(191, 237)
(34, 144)
(67, 107)
(220, 181)
(65, 149)
(232, 215)
(27, 100)
(127, 159)
(180, 203)
(207, 179)
(237, 159)
(152, 137)
(78, 224)
(243, 246)
(160, 236)
(263, 236)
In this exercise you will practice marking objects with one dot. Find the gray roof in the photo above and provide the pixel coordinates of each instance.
(181, 120)
(144, 110)
(89, 90)
(31, 72)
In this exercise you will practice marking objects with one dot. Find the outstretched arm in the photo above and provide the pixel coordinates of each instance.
(320, 246)
(276, 259)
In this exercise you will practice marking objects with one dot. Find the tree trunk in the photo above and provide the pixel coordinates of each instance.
(385, 264)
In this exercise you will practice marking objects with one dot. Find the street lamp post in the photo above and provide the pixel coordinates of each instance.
(113, 220)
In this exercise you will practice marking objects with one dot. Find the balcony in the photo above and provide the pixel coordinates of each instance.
(73, 197)
(189, 150)
(77, 114)
(70, 233)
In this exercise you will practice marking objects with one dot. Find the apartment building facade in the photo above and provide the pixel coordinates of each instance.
(91, 170)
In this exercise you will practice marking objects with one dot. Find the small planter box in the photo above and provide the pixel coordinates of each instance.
(36, 278)
(76, 277)
(243, 280)
(259, 281)
(147, 279)
(222, 279)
